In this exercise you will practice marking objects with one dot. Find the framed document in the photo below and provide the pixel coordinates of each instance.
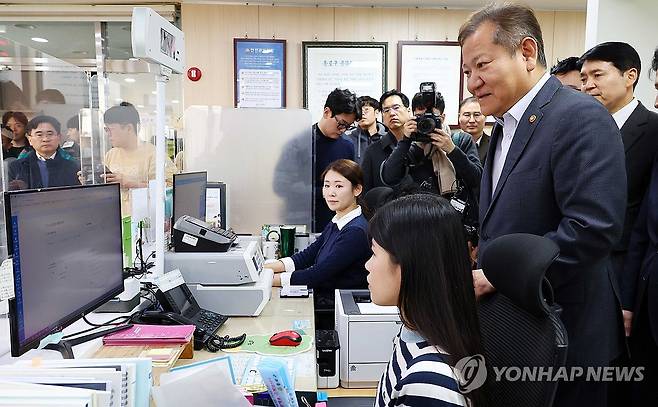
(432, 61)
(259, 73)
(357, 66)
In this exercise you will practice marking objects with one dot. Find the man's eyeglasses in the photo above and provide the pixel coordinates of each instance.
(341, 124)
(41, 135)
(395, 108)
(475, 115)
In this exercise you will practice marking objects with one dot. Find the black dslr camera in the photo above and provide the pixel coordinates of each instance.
(428, 121)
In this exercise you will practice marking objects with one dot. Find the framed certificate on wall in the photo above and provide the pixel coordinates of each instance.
(357, 66)
(259, 73)
(432, 61)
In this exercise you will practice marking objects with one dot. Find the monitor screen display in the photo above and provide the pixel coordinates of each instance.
(67, 257)
(190, 195)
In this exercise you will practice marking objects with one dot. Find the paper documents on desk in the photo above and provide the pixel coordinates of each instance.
(372, 308)
(6, 280)
(211, 388)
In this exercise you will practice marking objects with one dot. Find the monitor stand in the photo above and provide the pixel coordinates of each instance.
(65, 347)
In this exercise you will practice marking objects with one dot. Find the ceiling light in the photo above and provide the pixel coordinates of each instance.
(129, 80)
(26, 26)
(38, 39)
(175, 102)
(154, 92)
(133, 59)
(140, 106)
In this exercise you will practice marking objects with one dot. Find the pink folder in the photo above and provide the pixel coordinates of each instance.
(150, 334)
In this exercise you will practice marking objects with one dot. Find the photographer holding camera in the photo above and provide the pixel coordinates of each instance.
(436, 161)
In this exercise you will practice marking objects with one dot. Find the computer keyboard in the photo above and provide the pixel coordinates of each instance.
(210, 321)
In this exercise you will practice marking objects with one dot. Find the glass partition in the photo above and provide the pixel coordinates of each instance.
(264, 157)
(56, 95)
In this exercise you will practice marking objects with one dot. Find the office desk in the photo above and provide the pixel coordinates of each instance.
(279, 314)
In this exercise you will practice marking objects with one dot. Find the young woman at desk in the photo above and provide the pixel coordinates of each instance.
(337, 258)
(420, 264)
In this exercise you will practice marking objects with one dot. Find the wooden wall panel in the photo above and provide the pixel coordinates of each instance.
(210, 29)
(209, 32)
(295, 24)
(568, 34)
(374, 24)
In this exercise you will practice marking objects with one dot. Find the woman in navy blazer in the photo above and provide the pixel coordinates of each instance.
(639, 291)
(337, 258)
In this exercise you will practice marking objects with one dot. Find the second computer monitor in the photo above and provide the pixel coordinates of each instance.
(190, 195)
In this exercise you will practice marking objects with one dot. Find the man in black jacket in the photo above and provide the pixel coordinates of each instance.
(46, 165)
(610, 71)
(395, 112)
(444, 166)
(368, 130)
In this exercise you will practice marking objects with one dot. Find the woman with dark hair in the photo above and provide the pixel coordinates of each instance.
(17, 123)
(420, 264)
(337, 258)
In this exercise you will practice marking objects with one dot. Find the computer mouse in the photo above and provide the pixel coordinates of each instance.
(286, 338)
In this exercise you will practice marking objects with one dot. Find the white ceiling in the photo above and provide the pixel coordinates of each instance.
(463, 4)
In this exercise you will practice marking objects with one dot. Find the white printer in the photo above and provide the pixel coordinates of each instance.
(232, 283)
(366, 332)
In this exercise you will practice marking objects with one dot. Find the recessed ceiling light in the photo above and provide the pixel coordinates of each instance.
(38, 39)
(129, 80)
(140, 106)
(26, 26)
(133, 59)
(154, 92)
(175, 102)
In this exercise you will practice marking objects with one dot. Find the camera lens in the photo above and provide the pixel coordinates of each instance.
(425, 125)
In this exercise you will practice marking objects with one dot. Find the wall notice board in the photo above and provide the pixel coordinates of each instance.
(259, 73)
(357, 66)
(432, 61)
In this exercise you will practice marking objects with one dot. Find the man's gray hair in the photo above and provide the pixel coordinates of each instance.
(513, 23)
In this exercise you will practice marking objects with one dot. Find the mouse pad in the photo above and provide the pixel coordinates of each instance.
(261, 344)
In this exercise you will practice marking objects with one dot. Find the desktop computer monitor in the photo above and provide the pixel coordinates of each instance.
(190, 195)
(67, 257)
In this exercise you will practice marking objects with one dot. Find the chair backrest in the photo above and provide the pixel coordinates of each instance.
(520, 324)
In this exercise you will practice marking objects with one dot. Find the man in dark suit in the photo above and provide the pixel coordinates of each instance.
(639, 288)
(471, 121)
(610, 71)
(555, 168)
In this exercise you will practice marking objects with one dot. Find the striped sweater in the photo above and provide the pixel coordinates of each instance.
(417, 376)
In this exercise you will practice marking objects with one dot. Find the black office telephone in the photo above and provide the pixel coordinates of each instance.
(180, 308)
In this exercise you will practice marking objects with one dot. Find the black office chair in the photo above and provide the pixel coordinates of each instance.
(520, 323)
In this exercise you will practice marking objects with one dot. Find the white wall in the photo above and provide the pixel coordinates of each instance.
(634, 22)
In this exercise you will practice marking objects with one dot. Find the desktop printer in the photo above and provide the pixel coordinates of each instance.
(232, 283)
(194, 235)
(366, 332)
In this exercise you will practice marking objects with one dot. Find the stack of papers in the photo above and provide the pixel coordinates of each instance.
(150, 335)
(120, 382)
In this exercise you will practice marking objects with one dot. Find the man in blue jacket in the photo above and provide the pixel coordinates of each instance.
(555, 168)
(45, 165)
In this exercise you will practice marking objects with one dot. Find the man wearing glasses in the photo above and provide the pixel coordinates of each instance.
(340, 111)
(46, 165)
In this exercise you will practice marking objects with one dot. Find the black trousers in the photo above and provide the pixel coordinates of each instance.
(644, 352)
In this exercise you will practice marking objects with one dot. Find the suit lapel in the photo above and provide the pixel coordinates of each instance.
(633, 129)
(485, 184)
(524, 131)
